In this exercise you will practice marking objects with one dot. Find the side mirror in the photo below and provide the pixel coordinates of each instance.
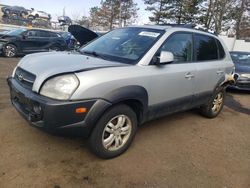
(166, 57)
(24, 36)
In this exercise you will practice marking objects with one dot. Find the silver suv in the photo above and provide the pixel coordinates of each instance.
(121, 80)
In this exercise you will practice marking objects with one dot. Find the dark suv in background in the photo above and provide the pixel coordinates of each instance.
(23, 41)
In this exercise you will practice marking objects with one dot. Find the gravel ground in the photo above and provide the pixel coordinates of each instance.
(181, 150)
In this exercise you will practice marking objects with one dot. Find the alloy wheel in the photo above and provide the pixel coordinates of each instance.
(10, 51)
(217, 102)
(116, 132)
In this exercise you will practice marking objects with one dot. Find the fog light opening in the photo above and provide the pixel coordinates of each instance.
(37, 108)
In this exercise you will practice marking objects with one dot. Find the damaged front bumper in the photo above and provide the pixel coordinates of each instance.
(54, 115)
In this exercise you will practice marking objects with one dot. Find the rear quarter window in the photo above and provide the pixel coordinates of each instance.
(205, 48)
(221, 50)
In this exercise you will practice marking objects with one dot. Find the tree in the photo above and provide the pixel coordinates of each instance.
(242, 17)
(111, 12)
(128, 12)
(177, 11)
(157, 8)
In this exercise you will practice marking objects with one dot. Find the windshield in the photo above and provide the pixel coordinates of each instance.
(15, 32)
(126, 45)
(241, 58)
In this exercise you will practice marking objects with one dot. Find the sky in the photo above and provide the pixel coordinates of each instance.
(73, 8)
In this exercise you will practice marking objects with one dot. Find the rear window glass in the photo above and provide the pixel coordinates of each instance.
(205, 48)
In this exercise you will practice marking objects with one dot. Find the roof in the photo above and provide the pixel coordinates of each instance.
(176, 27)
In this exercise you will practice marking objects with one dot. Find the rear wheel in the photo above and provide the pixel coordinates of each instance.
(114, 132)
(214, 106)
(10, 50)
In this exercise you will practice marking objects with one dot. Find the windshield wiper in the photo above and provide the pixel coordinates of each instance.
(94, 54)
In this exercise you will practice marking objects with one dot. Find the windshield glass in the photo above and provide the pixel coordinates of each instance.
(241, 57)
(126, 45)
(16, 32)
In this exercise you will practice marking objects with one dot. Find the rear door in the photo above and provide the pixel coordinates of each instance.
(209, 64)
(172, 85)
(44, 40)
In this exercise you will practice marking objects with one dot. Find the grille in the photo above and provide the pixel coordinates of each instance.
(243, 85)
(24, 78)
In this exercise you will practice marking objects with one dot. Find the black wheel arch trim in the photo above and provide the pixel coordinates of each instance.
(131, 92)
(119, 95)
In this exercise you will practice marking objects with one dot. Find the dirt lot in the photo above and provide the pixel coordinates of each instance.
(182, 150)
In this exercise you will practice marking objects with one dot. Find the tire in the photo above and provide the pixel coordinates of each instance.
(30, 17)
(36, 16)
(10, 50)
(118, 138)
(7, 12)
(214, 106)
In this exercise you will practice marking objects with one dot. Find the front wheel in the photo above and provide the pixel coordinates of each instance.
(114, 132)
(10, 50)
(214, 106)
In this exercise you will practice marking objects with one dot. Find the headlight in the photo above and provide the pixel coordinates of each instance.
(60, 87)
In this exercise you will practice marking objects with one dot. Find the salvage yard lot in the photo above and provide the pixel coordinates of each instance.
(181, 150)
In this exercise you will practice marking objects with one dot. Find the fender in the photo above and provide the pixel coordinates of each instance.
(134, 92)
(131, 92)
(122, 94)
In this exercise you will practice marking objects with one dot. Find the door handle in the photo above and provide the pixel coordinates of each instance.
(189, 75)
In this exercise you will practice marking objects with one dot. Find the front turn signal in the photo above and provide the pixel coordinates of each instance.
(81, 110)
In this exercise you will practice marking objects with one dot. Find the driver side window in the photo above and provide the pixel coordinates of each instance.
(31, 34)
(181, 45)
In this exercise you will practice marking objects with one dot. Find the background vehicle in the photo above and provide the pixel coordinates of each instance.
(70, 40)
(22, 41)
(21, 11)
(242, 68)
(109, 88)
(64, 20)
(82, 34)
(39, 14)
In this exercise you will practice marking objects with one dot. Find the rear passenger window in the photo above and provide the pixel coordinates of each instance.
(205, 48)
(53, 35)
(43, 34)
(221, 50)
(181, 45)
(31, 33)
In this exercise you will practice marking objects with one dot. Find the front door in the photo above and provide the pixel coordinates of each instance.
(30, 42)
(172, 85)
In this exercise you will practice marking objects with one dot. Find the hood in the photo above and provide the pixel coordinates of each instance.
(242, 68)
(82, 35)
(6, 38)
(45, 65)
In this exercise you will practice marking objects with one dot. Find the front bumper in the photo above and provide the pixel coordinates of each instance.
(54, 115)
(242, 83)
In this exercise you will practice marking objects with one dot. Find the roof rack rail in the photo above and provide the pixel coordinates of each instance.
(190, 26)
(180, 25)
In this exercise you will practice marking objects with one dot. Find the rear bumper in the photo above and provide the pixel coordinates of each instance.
(54, 115)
